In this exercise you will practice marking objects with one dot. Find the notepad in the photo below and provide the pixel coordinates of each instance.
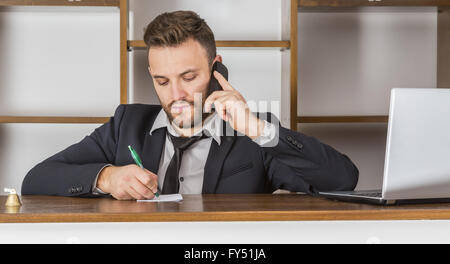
(165, 198)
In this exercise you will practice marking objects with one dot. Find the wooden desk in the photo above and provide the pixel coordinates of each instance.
(259, 207)
(280, 218)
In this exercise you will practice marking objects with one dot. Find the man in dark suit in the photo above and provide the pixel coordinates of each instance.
(185, 146)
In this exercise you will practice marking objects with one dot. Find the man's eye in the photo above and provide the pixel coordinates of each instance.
(163, 84)
(189, 79)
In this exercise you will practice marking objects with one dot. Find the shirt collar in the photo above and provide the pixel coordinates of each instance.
(212, 124)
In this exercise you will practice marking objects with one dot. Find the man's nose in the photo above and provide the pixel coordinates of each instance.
(178, 92)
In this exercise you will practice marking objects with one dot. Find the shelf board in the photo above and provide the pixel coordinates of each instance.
(59, 3)
(358, 3)
(101, 120)
(342, 119)
(54, 119)
(229, 43)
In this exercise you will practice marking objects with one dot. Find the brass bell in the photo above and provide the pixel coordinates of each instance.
(13, 199)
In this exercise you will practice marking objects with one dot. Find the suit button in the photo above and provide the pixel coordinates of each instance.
(297, 144)
(181, 179)
(289, 138)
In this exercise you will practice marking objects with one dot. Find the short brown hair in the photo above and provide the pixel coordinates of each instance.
(171, 29)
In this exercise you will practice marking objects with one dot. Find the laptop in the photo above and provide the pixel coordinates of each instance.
(417, 161)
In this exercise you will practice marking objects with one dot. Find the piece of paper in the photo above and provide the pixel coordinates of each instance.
(165, 198)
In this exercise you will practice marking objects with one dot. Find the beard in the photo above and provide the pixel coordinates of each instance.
(191, 116)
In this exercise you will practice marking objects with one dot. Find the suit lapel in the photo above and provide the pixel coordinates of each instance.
(152, 149)
(214, 163)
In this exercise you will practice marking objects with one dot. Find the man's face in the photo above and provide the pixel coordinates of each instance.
(180, 73)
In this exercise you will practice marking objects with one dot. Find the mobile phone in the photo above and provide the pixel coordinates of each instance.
(214, 85)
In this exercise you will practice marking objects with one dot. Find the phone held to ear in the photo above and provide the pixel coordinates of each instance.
(213, 83)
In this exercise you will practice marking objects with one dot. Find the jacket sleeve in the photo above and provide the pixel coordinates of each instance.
(73, 171)
(300, 163)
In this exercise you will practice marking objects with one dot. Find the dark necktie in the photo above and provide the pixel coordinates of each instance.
(171, 181)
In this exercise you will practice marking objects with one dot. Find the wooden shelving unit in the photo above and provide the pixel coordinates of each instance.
(140, 44)
(361, 3)
(296, 5)
(443, 56)
(53, 119)
(127, 45)
(342, 119)
(59, 3)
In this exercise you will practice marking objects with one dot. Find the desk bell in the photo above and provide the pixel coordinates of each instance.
(13, 199)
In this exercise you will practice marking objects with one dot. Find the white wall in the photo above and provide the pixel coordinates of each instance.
(53, 61)
(51, 58)
(65, 61)
(256, 73)
(349, 61)
(59, 61)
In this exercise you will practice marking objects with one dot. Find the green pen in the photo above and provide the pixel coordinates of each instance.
(139, 163)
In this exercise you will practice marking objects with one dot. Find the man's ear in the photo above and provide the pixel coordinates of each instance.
(218, 58)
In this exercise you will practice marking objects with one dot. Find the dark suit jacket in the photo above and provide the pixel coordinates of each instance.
(239, 165)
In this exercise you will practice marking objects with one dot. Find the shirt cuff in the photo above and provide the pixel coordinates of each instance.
(266, 139)
(95, 189)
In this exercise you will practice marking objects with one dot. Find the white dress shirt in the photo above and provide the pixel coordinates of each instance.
(193, 159)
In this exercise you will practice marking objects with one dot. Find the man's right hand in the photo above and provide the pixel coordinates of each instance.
(128, 182)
